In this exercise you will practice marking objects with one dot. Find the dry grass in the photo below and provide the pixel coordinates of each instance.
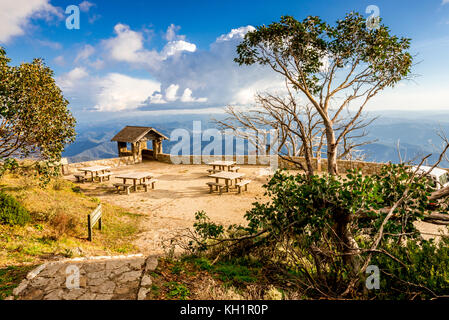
(59, 224)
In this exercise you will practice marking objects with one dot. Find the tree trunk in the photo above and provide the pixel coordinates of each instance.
(346, 242)
(331, 150)
(309, 164)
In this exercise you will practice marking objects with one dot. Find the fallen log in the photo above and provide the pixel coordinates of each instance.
(442, 193)
(438, 222)
(437, 216)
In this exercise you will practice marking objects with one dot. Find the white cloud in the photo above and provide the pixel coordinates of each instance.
(187, 97)
(120, 92)
(111, 92)
(127, 46)
(170, 93)
(70, 80)
(174, 47)
(170, 35)
(238, 33)
(51, 44)
(85, 53)
(445, 2)
(15, 16)
(157, 98)
(97, 64)
(86, 5)
(213, 75)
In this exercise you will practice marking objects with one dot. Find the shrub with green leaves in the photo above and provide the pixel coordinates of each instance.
(12, 212)
(421, 271)
(325, 230)
(8, 165)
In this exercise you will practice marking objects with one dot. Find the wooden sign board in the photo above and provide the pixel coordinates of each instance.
(92, 219)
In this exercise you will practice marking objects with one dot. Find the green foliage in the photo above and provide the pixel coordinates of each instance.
(8, 165)
(76, 189)
(425, 275)
(12, 212)
(205, 229)
(34, 117)
(232, 271)
(236, 272)
(203, 263)
(302, 203)
(322, 229)
(308, 43)
(178, 291)
(46, 170)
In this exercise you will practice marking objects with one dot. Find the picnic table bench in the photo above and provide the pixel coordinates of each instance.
(221, 166)
(80, 177)
(95, 171)
(104, 175)
(124, 186)
(219, 187)
(228, 177)
(241, 184)
(139, 179)
(149, 182)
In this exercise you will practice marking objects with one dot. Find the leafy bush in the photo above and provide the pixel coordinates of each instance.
(12, 212)
(324, 231)
(8, 165)
(421, 271)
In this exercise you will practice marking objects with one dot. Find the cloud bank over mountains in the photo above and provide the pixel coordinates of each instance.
(179, 75)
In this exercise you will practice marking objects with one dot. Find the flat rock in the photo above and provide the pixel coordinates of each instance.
(100, 278)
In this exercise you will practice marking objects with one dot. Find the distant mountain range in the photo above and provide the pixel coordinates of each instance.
(415, 132)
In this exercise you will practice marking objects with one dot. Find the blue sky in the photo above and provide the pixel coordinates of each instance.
(155, 57)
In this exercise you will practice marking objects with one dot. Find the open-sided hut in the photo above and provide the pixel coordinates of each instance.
(138, 138)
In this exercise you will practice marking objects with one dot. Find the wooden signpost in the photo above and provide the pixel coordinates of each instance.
(92, 219)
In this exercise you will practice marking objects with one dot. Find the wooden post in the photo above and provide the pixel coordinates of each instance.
(89, 228)
(133, 151)
(157, 146)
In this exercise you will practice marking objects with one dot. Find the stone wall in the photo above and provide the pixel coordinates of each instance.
(113, 162)
(343, 165)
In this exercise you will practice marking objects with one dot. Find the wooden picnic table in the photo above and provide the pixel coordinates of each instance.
(135, 176)
(94, 170)
(222, 165)
(228, 177)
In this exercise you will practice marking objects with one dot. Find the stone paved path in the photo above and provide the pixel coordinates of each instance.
(95, 278)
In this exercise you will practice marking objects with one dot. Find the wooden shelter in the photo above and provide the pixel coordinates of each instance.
(138, 138)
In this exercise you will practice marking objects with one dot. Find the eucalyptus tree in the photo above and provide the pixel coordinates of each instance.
(336, 68)
(34, 118)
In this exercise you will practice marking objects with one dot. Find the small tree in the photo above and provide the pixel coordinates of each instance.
(34, 118)
(331, 66)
